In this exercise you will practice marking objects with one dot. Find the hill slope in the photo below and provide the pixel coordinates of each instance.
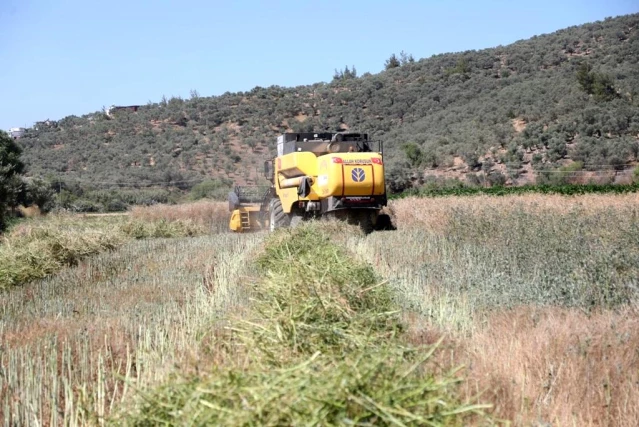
(506, 113)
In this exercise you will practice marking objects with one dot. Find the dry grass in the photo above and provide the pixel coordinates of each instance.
(559, 366)
(75, 345)
(549, 366)
(458, 263)
(535, 295)
(211, 214)
(30, 211)
(433, 214)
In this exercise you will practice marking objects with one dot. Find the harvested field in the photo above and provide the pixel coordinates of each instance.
(535, 297)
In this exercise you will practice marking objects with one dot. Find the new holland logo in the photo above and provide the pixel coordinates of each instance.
(358, 175)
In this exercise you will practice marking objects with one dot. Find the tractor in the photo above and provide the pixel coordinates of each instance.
(316, 175)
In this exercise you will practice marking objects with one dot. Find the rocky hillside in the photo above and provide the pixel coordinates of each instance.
(567, 101)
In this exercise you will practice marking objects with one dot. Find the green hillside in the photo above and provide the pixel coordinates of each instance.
(513, 113)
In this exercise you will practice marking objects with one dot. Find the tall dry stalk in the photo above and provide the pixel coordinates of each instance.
(459, 266)
(76, 345)
(433, 213)
(213, 215)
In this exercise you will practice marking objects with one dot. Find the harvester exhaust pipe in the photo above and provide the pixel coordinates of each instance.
(295, 182)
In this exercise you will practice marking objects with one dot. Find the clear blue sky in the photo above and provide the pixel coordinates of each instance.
(63, 57)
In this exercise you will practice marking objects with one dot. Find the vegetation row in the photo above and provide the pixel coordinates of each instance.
(322, 345)
(37, 249)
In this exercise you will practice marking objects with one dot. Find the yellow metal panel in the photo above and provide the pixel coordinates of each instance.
(358, 180)
(296, 164)
(337, 174)
(235, 224)
(288, 196)
(350, 174)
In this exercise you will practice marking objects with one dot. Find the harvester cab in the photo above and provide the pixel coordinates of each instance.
(328, 175)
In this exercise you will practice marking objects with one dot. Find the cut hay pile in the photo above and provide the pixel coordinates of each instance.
(34, 252)
(36, 249)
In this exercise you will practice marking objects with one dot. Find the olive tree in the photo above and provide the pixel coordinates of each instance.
(11, 167)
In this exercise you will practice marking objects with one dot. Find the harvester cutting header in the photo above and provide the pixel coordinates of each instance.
(339, 175)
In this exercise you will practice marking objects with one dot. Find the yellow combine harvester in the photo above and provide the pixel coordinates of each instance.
(316, 175)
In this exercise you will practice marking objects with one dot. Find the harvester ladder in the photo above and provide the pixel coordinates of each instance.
(245, 220)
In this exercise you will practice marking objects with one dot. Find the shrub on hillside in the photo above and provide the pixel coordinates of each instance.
(210, 189)
(569, 174)
(76, 199)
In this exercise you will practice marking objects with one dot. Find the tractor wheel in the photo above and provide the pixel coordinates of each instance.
(278, 218)
(384, 222)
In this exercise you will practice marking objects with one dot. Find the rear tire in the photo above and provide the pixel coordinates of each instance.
(362, 218)
(384, 223)
(278, 218)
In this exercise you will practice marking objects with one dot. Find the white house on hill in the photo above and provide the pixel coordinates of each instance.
(16, 132)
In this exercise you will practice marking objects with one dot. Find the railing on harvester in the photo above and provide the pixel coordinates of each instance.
(253, 193)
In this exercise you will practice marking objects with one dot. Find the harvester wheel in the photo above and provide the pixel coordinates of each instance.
(384, 222)
(361, 217)
(278, 218)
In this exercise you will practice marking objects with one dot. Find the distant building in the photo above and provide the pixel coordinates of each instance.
(16, 132)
